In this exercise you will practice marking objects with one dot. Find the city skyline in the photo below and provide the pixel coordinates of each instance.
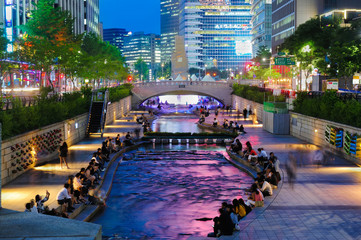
(131, 15)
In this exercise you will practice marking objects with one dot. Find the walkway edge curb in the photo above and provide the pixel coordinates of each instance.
(98, 208)
(249, 220)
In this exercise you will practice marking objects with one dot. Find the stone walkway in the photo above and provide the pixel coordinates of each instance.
(51, 177)
(325, 202)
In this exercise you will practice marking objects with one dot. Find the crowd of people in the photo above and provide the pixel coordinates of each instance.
(228, 125)
(143, 120)
(230, 215)
(81, 187)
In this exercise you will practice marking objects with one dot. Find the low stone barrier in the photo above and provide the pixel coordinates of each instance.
(313, 130)
(118, 110)
(239, 103)
(22, 152)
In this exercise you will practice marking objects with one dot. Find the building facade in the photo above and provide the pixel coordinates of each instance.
(216, 33)
(261, 24)
(169, 27)
(115, 36)
(17, 12)
(145, 46)
(287, 15)
(85, 13)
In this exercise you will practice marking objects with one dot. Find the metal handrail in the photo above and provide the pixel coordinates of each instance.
(175, 83)
(90, 109)
(104, 112)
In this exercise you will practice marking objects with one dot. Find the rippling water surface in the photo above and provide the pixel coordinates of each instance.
(160, 194)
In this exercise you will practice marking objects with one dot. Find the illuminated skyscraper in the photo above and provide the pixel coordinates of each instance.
(287, 15)
(115, 36)
(144, 46)
(17, 12)
(261, 24)
(169, 20)
(216, 33)
(85, 13)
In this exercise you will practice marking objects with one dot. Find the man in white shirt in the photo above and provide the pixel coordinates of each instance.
(215, 122)
(262, 157)
(266, 188)
(64, 199)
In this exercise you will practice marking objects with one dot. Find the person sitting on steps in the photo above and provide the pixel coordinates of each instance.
(225, 123)
(215, 122)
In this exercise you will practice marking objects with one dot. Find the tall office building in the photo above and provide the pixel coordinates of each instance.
(261, 24)
(17, 12)
(145, 46)
(287, 15)
(115, 36)
(85, 13)
(330, 5)
(169, 22)
(216, 33)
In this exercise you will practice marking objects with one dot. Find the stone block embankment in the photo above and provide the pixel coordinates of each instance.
(239, 103)
(313, 129)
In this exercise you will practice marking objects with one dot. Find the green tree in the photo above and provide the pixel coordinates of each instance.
(142, 68)
(48, 31)
(333, 49)
(263, 55)
(4, 56)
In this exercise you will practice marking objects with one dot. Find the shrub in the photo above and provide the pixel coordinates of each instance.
(256, 94)
(120, 92)
(50, 110)
(329, 107)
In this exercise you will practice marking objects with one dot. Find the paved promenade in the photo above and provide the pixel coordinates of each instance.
(51, 177)
(325, 202)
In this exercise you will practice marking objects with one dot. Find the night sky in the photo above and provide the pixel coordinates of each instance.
(133, 15)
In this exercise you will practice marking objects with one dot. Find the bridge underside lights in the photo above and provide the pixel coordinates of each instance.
(182, 99)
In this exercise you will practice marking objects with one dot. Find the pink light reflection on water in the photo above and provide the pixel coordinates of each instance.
(162, 199)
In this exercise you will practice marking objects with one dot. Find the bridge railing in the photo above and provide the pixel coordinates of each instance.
(180, 83)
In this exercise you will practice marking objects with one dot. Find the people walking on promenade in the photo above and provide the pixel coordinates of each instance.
(245, 111)
(63, 153)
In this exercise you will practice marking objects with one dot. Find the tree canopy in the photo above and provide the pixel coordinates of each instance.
(50, 45)
(324, 44)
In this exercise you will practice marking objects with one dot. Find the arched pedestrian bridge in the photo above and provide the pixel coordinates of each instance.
(219, 90)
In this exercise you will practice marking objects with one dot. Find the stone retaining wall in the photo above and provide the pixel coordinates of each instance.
(22, 152)
(118, 109)
(239, 103)
(313, 129)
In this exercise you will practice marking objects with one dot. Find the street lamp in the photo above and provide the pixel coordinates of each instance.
(205, 69)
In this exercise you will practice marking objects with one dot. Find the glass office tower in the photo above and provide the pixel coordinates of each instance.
(144, 46)
(169, 20)
(261, 24)
(216, 33)
(115, 36)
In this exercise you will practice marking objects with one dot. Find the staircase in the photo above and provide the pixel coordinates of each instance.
(97, 114)
(95, 117)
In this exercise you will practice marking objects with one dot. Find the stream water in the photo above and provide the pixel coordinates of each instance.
(160, 192)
